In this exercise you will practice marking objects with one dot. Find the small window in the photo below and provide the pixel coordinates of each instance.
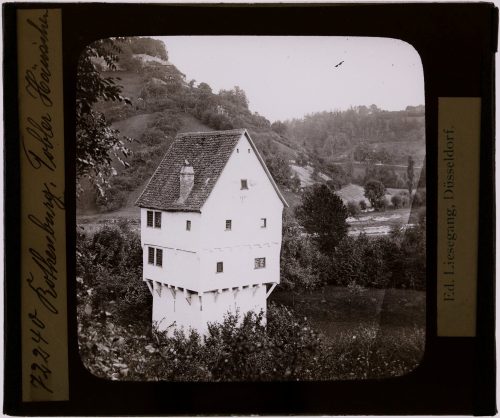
(150, 218)
(228, 224)
(188, 225)
(220, 266)
(237, 150)
(260, 263)
(263, 222)
(159, 257)
(151, 255)
(244, 184)
(157, 219)
(249, 150)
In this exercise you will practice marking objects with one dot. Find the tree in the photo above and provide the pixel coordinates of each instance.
(410, 175)
(375, 192)
(323, 214)
(96, 141)
(279, 127)
(280, 170)
(353, 208)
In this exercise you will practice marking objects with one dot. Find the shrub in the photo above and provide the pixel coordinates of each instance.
(303, 267)
(323, 215)
(397, 260)
(397, 201)
(374, 192)
(362, 204)
(353, 208)
(245, 349)
(420, 198)
(110, 267)
(288, 348)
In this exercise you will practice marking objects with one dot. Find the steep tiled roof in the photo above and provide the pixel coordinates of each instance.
(207, 152)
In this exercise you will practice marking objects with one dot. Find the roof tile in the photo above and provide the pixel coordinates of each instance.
(207, 152)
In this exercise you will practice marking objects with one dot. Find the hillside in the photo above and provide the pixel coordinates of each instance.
(339, 147)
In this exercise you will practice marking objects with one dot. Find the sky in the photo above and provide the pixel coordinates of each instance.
(289, 77)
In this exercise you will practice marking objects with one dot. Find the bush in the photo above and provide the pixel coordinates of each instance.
(109, 265)
(245, 349)
(397, 201)
(362, 204)
(374, 192)
(420, 198)
(353, 208)
(303, 267)
(323, 215)
(398, 260)
(288, 348)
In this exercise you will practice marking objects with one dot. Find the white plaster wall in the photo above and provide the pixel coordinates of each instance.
(181, 262)
(239, 266)
(246, 240)
(179, 312)
(245, 208)
(180, 268)
(216, 306)
(173, 233)
(171, 313)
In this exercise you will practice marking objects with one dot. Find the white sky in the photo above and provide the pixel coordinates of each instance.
(287, 77)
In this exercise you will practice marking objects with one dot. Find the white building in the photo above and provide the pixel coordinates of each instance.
(210, 230)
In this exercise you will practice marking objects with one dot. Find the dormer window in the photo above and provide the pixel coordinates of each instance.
(244, 184)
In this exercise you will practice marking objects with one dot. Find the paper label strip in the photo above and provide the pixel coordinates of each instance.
(44, 337)
(458, 211)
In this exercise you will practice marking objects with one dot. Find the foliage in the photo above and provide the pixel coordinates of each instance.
(400, 200)
(410, 173)
(279, 127)
(398, 260)
(353, 208)
(303, 267)
(387, 176)
(280, 170)
(338, 174)
(96, 141)
(419, 198)
(334, 133)
(375, 192)
(323, 215)
(109, 265)
(362, 204)
(143, 45)
(245, 349)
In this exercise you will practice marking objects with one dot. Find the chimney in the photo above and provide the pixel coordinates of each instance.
(186, 181)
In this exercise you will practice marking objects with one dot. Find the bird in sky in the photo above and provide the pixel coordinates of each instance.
(339, 64)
